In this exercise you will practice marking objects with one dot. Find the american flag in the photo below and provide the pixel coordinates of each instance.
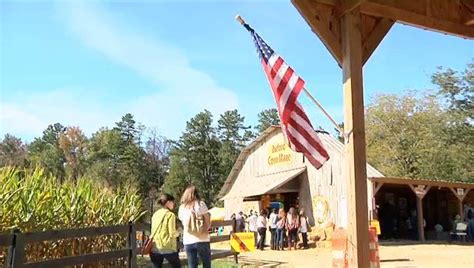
(286, 86)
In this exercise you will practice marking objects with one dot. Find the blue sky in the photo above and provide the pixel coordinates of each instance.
(87, 64)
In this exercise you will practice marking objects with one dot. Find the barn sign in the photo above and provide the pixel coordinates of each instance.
(279, 153)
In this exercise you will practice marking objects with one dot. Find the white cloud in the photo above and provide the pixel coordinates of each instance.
(183, 89)
(27, 115)
(15, 120)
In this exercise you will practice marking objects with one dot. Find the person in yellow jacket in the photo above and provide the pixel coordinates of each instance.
(164, 232)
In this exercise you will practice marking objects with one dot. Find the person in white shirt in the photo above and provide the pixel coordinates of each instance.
(304, 229)
(273, 226)
(195, 244)
(262, 229)
(252, 220)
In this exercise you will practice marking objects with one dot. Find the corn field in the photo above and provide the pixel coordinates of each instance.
(31, 200)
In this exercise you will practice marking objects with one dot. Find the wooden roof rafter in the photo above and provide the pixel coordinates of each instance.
(411, 181)
(455, 17)
(324, 21)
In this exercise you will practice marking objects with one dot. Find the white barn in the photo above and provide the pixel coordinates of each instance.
(268, 173)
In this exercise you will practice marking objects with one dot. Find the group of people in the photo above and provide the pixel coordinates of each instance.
(284, 228)
(164, 231)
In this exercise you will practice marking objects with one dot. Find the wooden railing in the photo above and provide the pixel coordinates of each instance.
(16, 243)
(6, 241)
(17, 255)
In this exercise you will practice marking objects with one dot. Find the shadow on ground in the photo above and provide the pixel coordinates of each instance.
(394, 260)
(250, 262)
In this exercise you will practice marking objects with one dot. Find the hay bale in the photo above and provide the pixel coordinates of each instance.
(324, 244)
(328, 232)
(322, 232)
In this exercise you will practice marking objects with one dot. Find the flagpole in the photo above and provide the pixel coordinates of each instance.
(341, 132)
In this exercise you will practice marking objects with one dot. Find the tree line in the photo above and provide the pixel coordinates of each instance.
(428, 134)
(132, 153)
(424, 134)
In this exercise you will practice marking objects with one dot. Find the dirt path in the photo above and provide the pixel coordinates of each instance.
(406, 256)
(421, 256)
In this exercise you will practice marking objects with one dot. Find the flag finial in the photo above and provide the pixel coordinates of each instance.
(240, 19)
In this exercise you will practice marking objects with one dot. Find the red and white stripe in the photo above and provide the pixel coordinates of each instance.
(286, 86)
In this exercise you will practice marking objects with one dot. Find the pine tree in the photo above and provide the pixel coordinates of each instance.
(267, 118)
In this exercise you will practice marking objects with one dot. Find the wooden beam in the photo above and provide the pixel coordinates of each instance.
(466, 192)
(469, 22)
(349, 5)
(79, 259)
(469, 4)
(460, 199)
(396, 11)
(375, 37)
(419, 213)
(420, 190)
(323, 20)
(358, 245)
(329, 2)
(377, 187)
(468, 12)
(407, 181)
(458, 196)
(71, 233)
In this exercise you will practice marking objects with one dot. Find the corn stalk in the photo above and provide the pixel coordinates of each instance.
(32, 201)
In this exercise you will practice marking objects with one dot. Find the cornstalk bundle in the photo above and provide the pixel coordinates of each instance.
(33, 201)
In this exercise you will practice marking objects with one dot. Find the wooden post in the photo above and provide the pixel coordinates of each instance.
(460, 196)
(420, 192)
(234, 229)
(358, 226)
(377, 186)
(419, 213)
(11, 250)
(132, 246)
(19, 257)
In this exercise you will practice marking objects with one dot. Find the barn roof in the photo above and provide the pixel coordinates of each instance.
(241, 160)
(331, 144)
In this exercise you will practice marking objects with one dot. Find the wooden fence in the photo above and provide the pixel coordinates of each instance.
(16, 243)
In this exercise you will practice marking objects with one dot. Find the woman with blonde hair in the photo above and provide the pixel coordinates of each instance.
(195, 218)
(292, 224)
(304, 228)
(280, 229)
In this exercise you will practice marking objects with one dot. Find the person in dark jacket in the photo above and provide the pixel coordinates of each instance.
(240, 222)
